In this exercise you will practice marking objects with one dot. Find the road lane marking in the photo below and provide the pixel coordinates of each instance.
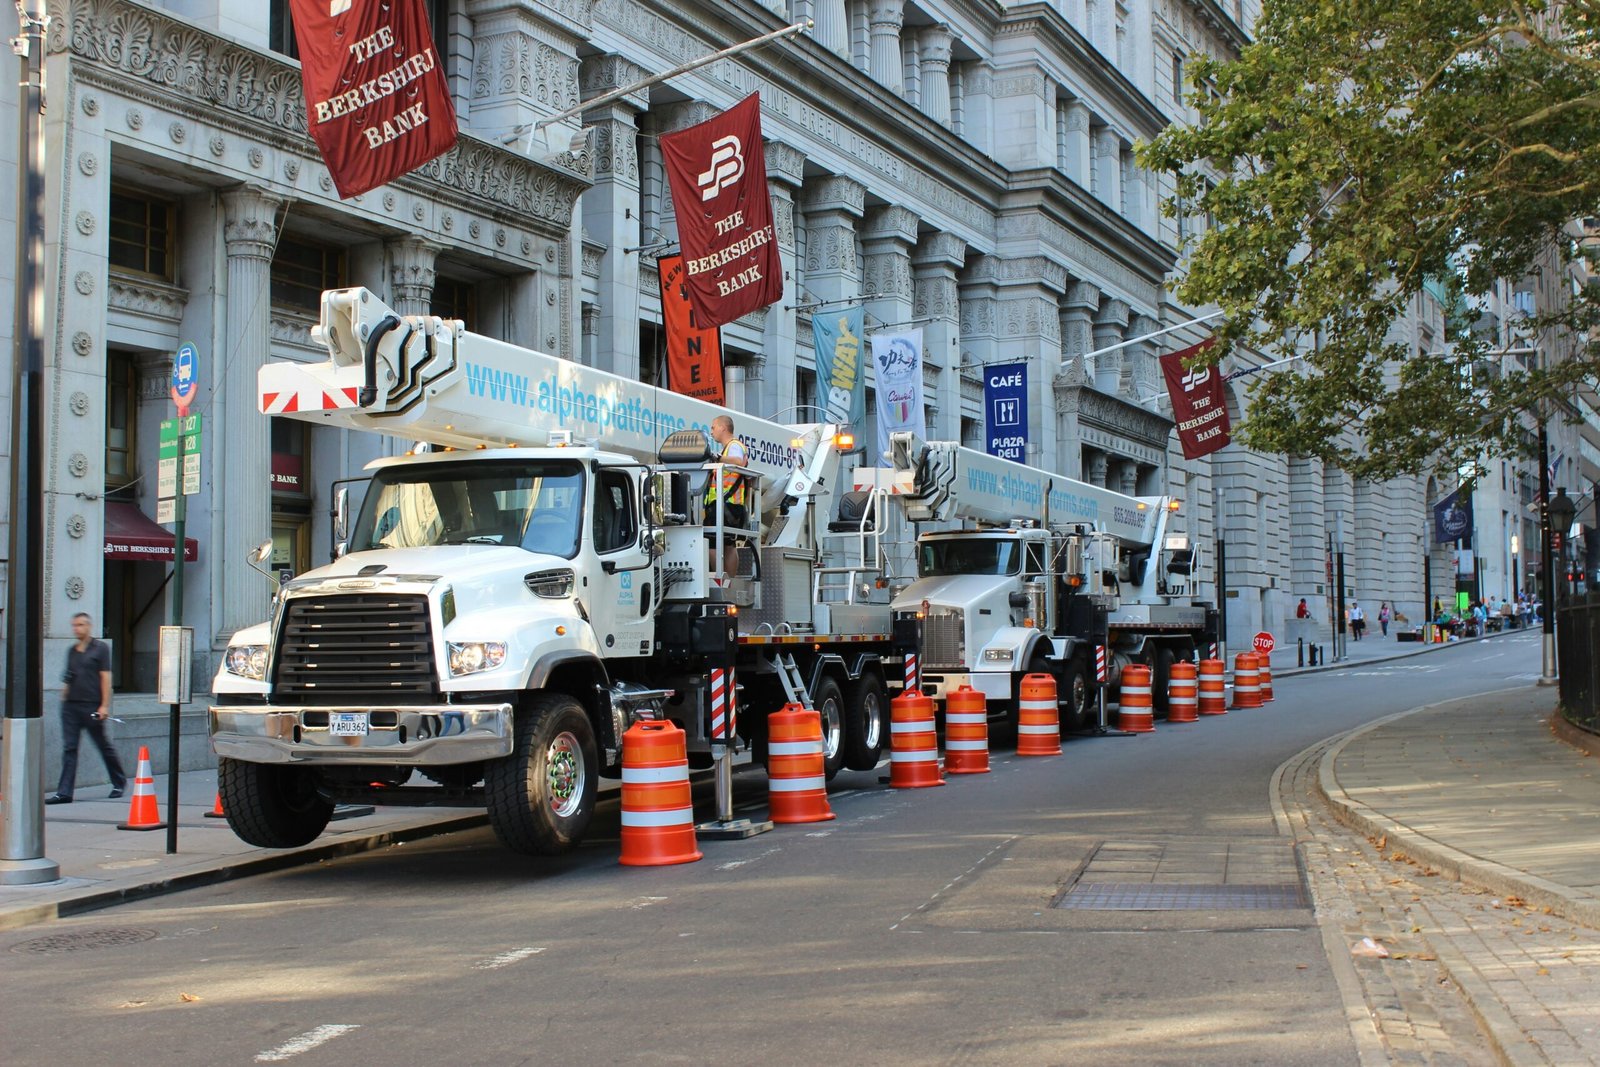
(506, 959)
(305, 1042)
(733, 865)
(644, 902)
(951, 884)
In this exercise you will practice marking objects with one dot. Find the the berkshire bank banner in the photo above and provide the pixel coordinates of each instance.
(1199, 403)
(694, 355)
(841, 375)
(718, 174)
(897, 358)
(1005, 407)
(376, 100)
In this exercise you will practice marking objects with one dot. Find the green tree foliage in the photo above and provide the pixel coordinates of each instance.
(1362, 149)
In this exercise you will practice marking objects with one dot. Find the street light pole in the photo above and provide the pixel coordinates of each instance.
(1547, 672)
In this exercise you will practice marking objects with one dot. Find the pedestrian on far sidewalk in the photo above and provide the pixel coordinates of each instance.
(85, 705)
(1358, 620)
(1383, 617)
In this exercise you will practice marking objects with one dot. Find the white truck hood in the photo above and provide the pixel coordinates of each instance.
(954, 591)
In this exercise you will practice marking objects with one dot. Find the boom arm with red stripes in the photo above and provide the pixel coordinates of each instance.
(428, 379)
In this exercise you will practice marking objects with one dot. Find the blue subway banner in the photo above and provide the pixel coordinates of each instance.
(1005, 406)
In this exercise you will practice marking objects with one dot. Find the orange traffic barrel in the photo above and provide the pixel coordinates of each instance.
(1246, 681)
(1213, 687)
(1183, 693)
(1038, 717)
(966, 732)
(1135, 713)
(797, 773)
(1264, 677)
(657, 810)
(914, 742)
(142, 811)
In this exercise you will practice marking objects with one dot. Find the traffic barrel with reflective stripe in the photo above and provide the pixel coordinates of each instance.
(914, 743)
(966, 732)
(1246, 681)
(1213, 687)
(1038, 716)
(797, 772)
(1183, 693)
(1264, 677)
(1135, 713)
(657, 809)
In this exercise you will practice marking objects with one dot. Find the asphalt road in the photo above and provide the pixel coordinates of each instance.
(916, 928)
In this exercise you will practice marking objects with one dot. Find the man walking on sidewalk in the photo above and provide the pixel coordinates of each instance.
(85, 705)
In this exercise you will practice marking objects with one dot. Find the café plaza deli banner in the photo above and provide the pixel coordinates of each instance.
(376, 100)
(1005, 407)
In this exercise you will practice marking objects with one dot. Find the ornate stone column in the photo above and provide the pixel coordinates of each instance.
(888, 234)
(1030, 332)
(885, 17)
(1110, 328)
(936, 42)
(1077, 151)
(250, 234)
(780, 341)
(935, 264)
(980, 342)
(1096, 466)
(1139, 362)
(832, 29)
(1078, 306)
(612, 209)
(832, 206)
(525, 60)
(1108, 167)
(411, 274)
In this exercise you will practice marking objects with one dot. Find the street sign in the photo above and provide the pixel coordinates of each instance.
(185, 376)
(188, 427)
(1264, 643)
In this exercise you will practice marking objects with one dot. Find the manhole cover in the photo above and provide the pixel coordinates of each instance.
(1146, 896)
(80, 940)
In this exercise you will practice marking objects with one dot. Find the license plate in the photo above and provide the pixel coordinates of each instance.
(347, 723)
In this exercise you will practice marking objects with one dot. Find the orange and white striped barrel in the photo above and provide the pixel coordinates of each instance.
(913, 742)
(1264, 677)
(1213, 687)
(1135, 713)
(1038, 717)
(1183, 693)
(657, 810)
(797, 775)
(966, 732)
(1246, 681)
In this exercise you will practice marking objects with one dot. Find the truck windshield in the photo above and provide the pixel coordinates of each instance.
(536, 506)
(967, 556)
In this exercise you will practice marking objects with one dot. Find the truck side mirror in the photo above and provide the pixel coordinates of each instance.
(341, 515)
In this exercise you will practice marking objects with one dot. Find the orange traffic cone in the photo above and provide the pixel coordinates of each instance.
(1246, 681)
(797, 776)
(1264, 677)
(1182, 695)
(142, 811)
(1038, 717)
(966, 732)
(657, 809)
(1135, 714)
(1213, 689)
(216, 811)
(914, 742)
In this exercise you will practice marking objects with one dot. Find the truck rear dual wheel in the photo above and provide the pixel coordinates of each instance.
(829, 701)
(272, 805)
(541, 796)
(1161, 661)
(866, 721)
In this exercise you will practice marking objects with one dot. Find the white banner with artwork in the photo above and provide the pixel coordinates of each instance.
(897, 361)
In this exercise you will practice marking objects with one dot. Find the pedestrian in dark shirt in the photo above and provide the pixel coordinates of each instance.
(85, 705)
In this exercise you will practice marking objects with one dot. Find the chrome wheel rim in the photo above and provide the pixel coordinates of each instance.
(564, 775)
(832, 726)
(872, 712)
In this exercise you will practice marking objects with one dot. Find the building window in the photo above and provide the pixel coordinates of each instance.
(290, 441)
(141, 237)
(454, 299)
(1177, 78)
(302, 270)
(122, 396)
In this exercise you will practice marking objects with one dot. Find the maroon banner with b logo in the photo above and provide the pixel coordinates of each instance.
(1199, 403)
(376, 99)
(718, 174)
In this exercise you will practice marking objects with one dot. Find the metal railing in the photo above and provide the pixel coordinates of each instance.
(1578, 665)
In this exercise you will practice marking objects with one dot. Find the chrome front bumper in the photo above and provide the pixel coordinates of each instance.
(415, 736)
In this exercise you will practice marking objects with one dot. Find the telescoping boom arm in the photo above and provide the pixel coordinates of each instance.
(428, 379)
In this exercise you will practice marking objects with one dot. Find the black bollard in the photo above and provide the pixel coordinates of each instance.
(1300, 651)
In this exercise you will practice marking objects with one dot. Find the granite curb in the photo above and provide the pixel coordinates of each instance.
(1569, 733)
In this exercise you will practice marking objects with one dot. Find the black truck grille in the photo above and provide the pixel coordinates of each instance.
(363, 648)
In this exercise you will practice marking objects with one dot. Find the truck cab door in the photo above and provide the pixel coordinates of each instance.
(623, 602)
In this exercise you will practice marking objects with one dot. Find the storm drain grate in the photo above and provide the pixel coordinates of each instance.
(81, 940)
(1146, 896)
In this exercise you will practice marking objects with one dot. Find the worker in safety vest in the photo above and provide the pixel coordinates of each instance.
(731, 487)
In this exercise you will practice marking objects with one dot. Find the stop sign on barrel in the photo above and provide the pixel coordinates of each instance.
(1264, 643)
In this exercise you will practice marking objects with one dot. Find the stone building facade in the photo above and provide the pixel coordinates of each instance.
(961, 164)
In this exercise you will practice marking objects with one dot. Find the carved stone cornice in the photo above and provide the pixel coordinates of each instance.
(146, 297)
(598, 75)
(890, 223)
(1112, 312)
(576, 17)
(616, 150)
(940, 250)
(785, 163)
(293, 329)
(834, 193)
(1115, 417)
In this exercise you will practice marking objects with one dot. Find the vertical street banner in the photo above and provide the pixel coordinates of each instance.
(377, 104)
(718, 174)
(1452, 519)
(1005, 408)
(694, 354)
(1199, 402)
(897, 361)
(841, 376)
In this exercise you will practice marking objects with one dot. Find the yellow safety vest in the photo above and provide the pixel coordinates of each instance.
(732, 484)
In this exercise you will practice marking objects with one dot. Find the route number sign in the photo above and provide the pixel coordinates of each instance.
(1264, 643)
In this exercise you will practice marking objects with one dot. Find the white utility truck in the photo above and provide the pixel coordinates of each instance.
(510, 598)
(1042, 571)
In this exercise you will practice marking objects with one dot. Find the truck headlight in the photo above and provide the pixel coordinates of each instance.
(470, 657)
(246, 661)
(998, 655)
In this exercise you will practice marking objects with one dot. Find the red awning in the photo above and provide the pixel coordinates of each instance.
(131, 535)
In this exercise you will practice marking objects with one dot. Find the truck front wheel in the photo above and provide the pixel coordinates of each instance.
(541, 796)
(270, 805)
